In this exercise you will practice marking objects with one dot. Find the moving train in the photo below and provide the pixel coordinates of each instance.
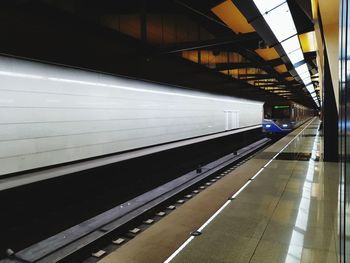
(284, 117)
(53, 115)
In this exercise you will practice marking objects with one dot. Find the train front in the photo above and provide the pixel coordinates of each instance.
(277, 119)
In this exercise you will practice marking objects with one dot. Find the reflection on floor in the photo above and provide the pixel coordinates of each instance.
(287, 214)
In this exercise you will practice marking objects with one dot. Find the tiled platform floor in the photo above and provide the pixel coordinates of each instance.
(287, 214)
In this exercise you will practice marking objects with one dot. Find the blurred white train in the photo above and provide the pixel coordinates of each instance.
(54, 115)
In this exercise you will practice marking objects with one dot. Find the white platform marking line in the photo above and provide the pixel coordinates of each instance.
(287, 145)
(257, 173)
(172, 256)
(179, 249)
(241, 189)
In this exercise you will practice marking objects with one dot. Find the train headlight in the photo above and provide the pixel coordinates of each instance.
(284, 125)
(267, 125)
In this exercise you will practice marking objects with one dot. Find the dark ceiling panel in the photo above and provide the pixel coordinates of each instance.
(241, 39)
(302, 21)
(70, 32)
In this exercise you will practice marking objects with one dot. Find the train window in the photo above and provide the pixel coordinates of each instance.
(280, 112)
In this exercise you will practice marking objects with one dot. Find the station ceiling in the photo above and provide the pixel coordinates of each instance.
(200, 44)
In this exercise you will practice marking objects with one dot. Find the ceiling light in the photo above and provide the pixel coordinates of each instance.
(304, 75)
(291, 44)
(302, 69)
(306, 81)
(278, 17)
(281, 22)
(266, 5)
(310, 88)
(296, 56)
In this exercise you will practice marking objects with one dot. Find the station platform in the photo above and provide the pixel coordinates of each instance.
(279, 206)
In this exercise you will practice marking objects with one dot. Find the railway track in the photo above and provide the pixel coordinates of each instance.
(126, 220)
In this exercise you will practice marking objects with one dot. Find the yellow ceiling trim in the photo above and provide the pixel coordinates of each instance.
(308, 41)
(232, 17)
(281, 68)
(225, 72)
(267, 53)
(314, 7)
(190, 55)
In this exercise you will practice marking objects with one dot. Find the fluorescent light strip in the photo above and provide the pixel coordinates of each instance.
(296, 56)
(306, 80)
(265, 6)
(302, 69)
(304, 74)
(281, 22)
(291, 45)
(277, 15)
(310, 88)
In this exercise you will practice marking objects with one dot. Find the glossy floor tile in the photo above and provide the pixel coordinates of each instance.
(287, 214)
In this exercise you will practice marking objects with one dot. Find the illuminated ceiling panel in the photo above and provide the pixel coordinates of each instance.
(190, 55)
(265, 6)
(278, 18)
(232, 17)
(308, 42)
(281, 68)
(276, 14)
(267, 53)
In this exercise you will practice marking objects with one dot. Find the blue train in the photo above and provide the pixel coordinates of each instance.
(284, 117)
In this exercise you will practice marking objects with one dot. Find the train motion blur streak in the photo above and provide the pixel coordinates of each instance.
(54, 114)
